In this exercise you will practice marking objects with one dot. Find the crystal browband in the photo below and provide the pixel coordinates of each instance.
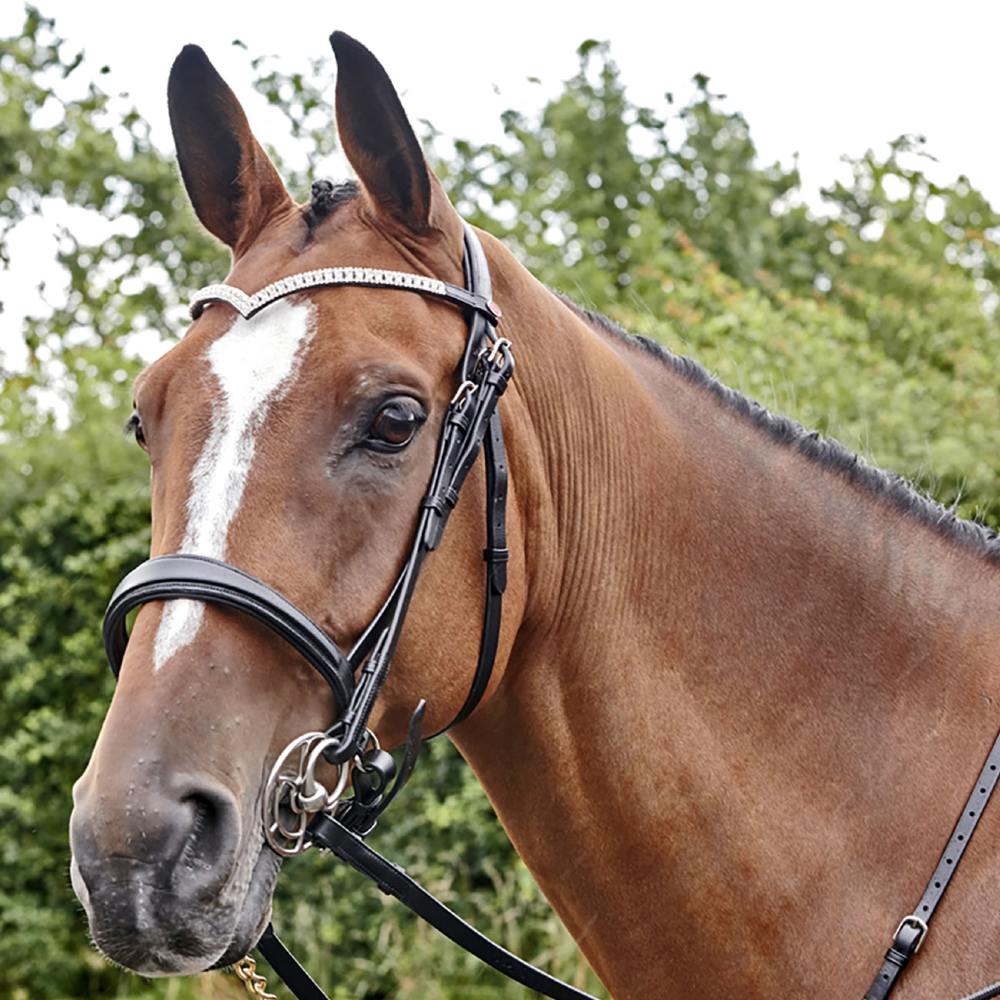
(249, 305)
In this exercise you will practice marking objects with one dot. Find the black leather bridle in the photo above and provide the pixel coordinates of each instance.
(471, 424)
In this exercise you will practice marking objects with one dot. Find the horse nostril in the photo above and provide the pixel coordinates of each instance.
(213, 831)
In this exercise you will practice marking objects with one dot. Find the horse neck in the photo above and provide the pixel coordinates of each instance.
(735, 665)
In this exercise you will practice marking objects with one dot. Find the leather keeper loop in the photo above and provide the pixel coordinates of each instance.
(497, 380)
(435, 504)
(441, 503)
(496, 560)
(459, 418)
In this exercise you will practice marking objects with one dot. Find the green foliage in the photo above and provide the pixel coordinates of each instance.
(93, 152)
(874, 320)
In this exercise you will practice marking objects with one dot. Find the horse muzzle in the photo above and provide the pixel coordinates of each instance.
(164, 873)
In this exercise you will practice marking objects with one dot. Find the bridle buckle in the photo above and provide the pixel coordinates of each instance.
(911, 920)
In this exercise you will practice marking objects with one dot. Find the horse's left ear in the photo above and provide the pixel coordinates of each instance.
(378, 140)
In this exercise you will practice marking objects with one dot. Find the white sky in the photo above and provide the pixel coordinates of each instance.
(818, 79)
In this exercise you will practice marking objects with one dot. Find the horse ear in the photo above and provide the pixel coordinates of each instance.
(232, 183)
(377, 137)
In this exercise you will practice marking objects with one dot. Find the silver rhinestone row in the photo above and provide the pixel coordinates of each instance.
(247, 305)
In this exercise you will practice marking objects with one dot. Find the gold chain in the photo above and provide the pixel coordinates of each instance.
(256, 984)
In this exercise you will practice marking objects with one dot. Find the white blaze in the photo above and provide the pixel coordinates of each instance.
(254, 363)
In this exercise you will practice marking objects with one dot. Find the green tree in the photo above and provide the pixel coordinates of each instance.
(875, 321)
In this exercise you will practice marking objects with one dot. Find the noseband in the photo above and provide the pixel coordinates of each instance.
(298, 809)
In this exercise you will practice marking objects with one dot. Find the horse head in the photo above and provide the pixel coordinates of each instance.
(295, 443)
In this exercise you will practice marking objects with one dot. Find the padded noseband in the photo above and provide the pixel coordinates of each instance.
(199, 578)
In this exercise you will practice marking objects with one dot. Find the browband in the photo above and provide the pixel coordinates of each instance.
(373, 277)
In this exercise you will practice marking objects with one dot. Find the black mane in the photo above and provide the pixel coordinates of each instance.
(831, 454)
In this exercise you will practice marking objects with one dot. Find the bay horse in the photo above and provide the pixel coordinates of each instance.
(743, 680)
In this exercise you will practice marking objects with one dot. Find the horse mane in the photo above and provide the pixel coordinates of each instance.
(827, 452)
(326, 196)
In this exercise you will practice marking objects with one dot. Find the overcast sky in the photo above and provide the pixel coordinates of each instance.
(818, 79)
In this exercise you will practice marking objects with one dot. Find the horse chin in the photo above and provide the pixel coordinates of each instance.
(256, 911)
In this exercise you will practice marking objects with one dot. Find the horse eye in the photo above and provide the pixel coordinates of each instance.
(394, 425)
(134, 427)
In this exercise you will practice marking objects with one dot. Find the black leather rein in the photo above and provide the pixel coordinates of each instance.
(913, 928)
(471, 424)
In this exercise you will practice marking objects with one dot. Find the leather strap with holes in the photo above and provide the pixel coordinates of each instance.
(913, 927)
(495, 555)
(987, 993)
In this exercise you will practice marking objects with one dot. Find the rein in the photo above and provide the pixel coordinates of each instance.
(298, 810)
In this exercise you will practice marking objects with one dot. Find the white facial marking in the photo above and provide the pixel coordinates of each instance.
(255, 363)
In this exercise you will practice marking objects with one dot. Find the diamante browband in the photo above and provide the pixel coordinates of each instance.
(250, 305)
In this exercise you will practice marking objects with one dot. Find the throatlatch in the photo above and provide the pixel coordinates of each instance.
(298, 810)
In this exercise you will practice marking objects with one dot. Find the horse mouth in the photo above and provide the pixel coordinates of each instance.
(148, 930)
(256, 910)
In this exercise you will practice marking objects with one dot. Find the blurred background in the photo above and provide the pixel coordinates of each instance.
(801, 203)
